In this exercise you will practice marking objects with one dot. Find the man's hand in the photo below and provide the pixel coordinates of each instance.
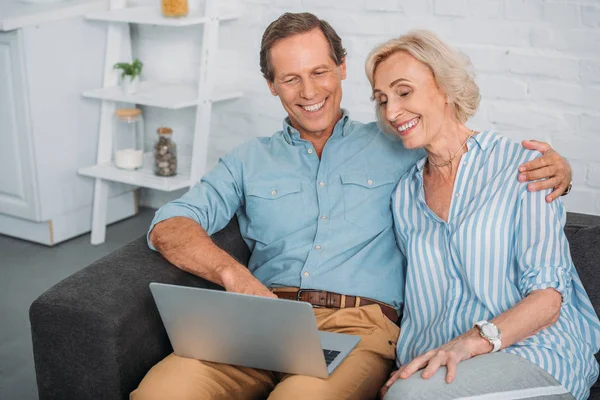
(240, 280)
(551, 166)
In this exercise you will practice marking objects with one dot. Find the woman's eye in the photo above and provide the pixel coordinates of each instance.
(382, 103)
(404, 94)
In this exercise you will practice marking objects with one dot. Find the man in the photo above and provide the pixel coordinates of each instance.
(313, 204)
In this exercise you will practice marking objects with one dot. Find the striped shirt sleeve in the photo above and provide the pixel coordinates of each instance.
(542, 250)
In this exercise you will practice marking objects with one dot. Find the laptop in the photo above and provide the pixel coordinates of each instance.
(249, 331)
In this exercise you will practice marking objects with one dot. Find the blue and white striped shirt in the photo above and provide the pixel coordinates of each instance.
(500, 243)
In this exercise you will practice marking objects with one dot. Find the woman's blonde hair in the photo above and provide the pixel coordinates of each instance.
(452, 69)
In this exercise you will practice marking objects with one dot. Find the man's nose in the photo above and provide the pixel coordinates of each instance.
(309, 89)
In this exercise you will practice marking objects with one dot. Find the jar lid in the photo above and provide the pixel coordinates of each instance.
(164, 131)
(128, 113)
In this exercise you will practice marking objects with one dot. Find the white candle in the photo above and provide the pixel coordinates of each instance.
(129, 158)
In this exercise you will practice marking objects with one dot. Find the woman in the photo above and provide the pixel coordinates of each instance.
(488, 263)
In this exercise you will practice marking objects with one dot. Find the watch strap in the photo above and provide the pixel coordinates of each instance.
(568, 189)
(496, 342)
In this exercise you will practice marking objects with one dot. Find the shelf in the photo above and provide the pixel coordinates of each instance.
(152, 16)
(143, 177)
(160, 94)
(15, 14)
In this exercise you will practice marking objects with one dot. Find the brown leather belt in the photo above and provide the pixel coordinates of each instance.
(321, 298)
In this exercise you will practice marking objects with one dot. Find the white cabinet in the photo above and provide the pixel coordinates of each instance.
(17, 174)
(47, 129)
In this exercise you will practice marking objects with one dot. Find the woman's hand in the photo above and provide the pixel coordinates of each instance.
(458, 349)
(551, 166)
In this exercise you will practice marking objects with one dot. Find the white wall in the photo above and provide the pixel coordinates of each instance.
(538, 65)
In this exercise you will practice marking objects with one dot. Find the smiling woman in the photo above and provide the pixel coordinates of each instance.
(489, 266)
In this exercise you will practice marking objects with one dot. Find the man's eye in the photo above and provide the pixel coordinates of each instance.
(404, 94)
(319, 73)
(382, 103)
(291, 80)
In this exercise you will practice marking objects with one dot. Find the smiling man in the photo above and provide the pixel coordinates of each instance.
(313, 205)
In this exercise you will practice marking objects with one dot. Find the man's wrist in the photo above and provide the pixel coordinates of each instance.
(568, 190)
(230, 274)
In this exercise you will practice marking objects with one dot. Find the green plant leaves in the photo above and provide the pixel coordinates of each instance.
(132, 70)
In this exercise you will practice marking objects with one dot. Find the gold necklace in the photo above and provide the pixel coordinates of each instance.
(453, 157)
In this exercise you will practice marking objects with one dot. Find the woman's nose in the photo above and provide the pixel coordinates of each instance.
(393, 111)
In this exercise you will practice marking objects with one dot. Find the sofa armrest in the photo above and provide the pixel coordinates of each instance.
(97, 333)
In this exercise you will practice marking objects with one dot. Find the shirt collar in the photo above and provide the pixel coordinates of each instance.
(482, 142)
(341, 129)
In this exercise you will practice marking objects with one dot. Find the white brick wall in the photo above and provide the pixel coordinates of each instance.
(538, 65)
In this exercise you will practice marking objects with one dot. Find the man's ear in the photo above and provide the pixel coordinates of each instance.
(272, 87)
(343, 68)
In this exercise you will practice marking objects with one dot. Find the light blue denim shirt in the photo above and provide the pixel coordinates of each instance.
(315, 224)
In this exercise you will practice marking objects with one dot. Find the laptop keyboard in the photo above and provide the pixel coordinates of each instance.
(330, 355)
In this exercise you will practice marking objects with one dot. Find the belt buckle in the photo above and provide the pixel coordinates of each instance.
(299, 295)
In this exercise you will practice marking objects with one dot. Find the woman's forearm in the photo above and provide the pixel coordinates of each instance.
(536, 312)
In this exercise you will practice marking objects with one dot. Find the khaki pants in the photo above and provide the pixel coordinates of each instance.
(359, 376)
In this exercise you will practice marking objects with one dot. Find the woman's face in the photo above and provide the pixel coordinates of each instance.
(409, 100)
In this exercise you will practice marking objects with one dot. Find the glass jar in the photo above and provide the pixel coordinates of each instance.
(128, 138)
(165, 153)
(174, 8)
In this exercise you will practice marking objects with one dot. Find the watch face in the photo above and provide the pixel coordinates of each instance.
(489, 330)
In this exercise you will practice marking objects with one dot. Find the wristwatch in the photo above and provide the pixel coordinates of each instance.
(489, 331)
(568, 189)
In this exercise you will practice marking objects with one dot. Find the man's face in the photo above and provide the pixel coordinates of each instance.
(308, 82)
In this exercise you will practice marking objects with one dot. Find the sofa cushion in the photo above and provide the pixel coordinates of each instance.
(585, 251)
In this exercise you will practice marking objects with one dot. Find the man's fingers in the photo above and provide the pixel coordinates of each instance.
(538, 163)
(534, 175)
(536, 145)
(556, 193)
(543, 185)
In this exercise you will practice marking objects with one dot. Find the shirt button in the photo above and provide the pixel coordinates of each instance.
(310, 151)
(318, 247)
(323, 217)
(321, 183)
(306, 274)
(273, 192)
(457, 194)
(465, 163)
(369, 182)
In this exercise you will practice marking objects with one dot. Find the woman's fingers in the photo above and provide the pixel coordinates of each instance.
(451, 367)
(434, 364)
(395, 376)
(415, 365)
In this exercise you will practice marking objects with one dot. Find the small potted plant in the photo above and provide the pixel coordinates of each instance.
(130, 75)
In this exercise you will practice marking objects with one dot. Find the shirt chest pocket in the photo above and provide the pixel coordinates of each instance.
(274, 210)
(367, 199)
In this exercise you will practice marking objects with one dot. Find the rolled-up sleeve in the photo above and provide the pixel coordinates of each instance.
(542, 247)
(212, 202)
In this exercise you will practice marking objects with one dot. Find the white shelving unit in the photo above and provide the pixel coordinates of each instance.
(154, 94)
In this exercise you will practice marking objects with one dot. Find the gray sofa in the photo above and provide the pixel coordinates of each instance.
(97, 333)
